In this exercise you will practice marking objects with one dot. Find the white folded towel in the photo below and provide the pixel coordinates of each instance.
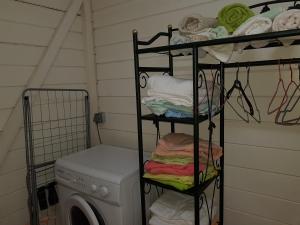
(194, 23)
(287, 20)
(254, 25)
(171, 85)
(155, 220)
(178, 91)
(178, 39)
(176, 208)
(220, 52)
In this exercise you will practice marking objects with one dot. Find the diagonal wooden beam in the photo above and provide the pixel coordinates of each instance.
(12, 126)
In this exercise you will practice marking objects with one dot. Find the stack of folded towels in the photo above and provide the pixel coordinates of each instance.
(173, 97)
(234, 20)
(177, 209)
(172, 162)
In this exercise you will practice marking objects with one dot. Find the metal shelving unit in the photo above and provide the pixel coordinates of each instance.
(199, 78)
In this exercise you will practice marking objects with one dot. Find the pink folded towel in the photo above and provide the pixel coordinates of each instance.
(172, 169)
(179, 144)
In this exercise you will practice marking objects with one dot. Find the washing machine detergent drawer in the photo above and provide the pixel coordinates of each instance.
(94, 187)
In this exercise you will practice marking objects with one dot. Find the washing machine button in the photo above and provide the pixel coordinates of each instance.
(94, 187)
(103, 191)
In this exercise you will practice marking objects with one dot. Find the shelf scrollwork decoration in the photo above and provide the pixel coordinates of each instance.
(201, 78)
(143, 76)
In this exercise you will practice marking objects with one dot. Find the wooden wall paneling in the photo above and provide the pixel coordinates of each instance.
(13, 123)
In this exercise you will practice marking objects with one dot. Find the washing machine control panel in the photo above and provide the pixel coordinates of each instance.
(88, 185)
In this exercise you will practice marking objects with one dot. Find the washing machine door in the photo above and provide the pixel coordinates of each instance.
(80, 212)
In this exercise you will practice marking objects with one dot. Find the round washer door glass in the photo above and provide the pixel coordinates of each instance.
(81, 212)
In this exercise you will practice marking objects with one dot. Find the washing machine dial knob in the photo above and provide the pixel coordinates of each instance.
(103, 191)
(94, 187)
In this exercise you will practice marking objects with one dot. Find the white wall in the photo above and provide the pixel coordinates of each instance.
(26, 30)
(262, 170)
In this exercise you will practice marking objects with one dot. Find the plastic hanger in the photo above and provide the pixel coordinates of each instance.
(281, 110)
(237, 85)
(291, 105)
(249, 89)
(280, 85)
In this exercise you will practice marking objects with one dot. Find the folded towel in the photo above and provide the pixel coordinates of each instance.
(178, 39)
(175, 207)
(181, 182)
(233, 15)
(287, 20)
(203, 152)
(254, 25)
(177, 114)
(194, 23)
(155, 220)
(171, 169)
(172, 85)
(273, 12)
(180, 144)
(178, 91)
(172, 160)
(220, 52)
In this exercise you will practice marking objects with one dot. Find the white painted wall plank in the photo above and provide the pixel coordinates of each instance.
(101, 4)
(16, 218)
(282, 211)
(55, 4)
(12, 202)
(29, 14)
(12, 181)
(236, 217)
(257, 181)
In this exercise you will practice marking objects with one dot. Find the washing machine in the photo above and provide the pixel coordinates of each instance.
(99, 186)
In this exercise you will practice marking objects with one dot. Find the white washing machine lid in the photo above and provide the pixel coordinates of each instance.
(105, 162)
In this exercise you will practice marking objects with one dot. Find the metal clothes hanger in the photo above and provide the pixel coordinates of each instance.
(280, 85)
(281, 111)
(249, 89)
(237, 85)
(266, 8)
(291, 105)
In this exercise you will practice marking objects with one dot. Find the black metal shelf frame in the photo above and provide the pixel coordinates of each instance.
(141, 76)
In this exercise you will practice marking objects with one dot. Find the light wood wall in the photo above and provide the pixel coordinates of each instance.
(26, 30)
(262, 172)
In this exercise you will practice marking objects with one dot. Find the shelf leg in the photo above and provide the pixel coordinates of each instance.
(139, 126)
(222, 117)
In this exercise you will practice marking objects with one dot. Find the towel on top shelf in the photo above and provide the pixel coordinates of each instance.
(287, 20)
(233, 15)
(194, 23)
(178, 39)
(177, 209)
(254, 25)
(220, 52)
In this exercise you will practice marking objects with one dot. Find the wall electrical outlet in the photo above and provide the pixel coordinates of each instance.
(99, 117)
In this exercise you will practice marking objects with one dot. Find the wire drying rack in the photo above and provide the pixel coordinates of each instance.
(56, 123)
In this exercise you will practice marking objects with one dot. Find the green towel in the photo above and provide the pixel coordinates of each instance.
(233, 15)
